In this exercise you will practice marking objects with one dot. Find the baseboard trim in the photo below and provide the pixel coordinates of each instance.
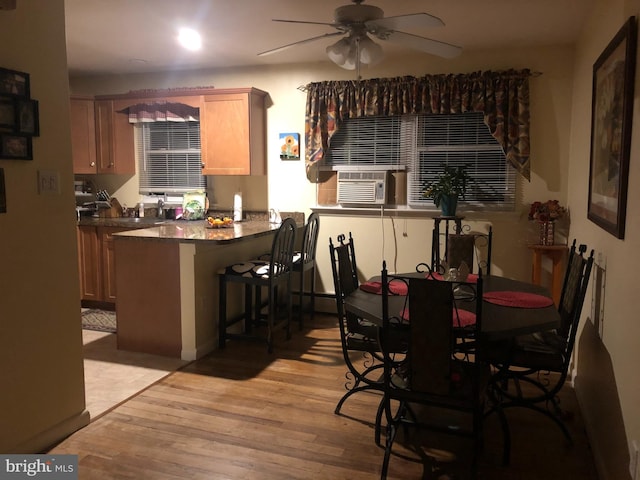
(46, 439)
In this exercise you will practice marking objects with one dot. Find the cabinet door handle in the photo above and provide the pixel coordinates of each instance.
(92, 164)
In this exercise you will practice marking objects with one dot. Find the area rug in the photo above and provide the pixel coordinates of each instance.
(101, 320)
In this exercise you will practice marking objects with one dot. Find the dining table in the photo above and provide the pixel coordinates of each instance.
(510, 307)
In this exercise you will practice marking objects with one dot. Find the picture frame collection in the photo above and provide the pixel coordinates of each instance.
(19, 116)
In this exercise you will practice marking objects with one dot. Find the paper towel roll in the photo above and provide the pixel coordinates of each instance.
(237, 207)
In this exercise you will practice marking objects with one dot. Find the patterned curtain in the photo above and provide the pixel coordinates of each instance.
(503, 97)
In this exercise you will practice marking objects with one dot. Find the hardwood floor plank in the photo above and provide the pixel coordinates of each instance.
(241, 414)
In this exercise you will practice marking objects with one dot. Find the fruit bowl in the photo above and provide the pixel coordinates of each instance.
(217, 222)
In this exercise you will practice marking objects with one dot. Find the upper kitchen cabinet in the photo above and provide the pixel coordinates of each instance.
(83, 135)
(114, 138)
(233, 132)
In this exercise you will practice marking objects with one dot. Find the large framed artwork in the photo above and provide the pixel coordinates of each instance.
(611, 118)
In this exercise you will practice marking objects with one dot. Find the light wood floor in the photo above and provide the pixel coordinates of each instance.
(111, 376)
(244, 414)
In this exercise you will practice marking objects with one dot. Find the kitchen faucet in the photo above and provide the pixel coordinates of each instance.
(160, 208)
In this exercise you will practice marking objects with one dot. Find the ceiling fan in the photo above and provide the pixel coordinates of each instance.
(358, 21)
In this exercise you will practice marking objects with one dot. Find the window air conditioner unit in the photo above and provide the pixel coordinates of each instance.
(362, 187)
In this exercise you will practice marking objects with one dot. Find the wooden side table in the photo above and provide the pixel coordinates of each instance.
(556, 254)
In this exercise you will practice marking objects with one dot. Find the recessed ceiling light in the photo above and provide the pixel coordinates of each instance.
(189, 39)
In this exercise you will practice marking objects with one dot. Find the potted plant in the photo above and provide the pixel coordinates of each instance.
(449, 185)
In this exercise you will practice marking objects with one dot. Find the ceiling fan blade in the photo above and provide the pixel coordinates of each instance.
(300, 42)
(424, 44)
(400, 22)
(303, 21)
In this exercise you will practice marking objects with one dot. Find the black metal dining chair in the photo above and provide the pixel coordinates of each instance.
(531, 359)
(435, 372)
(358, 338)
(463, 245)
(304, 261)
(274, 275)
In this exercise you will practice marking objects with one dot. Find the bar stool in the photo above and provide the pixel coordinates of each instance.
(304, 261)
(255, 275)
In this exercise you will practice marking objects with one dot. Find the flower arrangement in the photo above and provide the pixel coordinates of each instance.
(547, 211)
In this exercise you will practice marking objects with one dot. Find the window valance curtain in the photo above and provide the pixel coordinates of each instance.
(502, 96)
(161, 112)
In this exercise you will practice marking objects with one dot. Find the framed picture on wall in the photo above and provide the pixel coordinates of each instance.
(7, 114)
(611, 117)
(290, 146)
(27, 117)
(14, 83)
(16, 146)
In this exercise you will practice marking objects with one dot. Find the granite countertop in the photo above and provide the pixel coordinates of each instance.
(188, 230)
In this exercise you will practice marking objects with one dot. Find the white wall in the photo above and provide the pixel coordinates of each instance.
(607, 371)
(41, 369)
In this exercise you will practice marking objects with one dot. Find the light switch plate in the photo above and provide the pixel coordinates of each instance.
(48, 182)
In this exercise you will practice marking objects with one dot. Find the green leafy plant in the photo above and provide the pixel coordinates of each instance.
(449, 181)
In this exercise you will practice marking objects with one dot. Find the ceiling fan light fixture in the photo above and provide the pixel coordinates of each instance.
(339, 51)
(370, 51)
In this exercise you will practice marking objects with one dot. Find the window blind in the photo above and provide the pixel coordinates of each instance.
(169, 157)
(366, 141)
(462, 139)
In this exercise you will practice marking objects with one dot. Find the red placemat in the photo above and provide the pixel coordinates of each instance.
(518, 299)
(396, 287)
(461, 318)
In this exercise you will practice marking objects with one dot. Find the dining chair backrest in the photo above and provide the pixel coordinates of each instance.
(574, 290)
(473, 248)
(343, 262)
(310, 239)
(281, 257)
(434, 339)
(434, 370)
(345, 278)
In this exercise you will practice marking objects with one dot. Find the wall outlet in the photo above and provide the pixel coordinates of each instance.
(634, 461)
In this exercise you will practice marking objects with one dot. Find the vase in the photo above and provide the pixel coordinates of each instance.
(547, 233)
(448, 204)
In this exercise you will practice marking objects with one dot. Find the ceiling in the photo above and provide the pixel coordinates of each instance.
(135, 36)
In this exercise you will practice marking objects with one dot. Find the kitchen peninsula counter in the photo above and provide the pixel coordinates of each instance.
(167, 282)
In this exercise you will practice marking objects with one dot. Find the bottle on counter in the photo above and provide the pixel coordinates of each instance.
(141, 209)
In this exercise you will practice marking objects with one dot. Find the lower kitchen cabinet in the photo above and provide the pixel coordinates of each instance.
(89, 259)
(97, 264)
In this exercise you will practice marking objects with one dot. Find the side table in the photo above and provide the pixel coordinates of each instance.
(556, 254)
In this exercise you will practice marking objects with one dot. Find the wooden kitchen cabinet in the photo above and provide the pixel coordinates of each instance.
(89, 263)
(108, 262)
(233, 132)
(83, 135)
(115, 151)
(97, 263)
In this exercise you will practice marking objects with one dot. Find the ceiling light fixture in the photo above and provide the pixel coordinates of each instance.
(189, 39)
(355, 49)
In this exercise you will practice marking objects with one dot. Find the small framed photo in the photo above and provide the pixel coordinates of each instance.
(14, 83)
(16, 146)
(7, 114)
(290, 146)
(27, 117)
